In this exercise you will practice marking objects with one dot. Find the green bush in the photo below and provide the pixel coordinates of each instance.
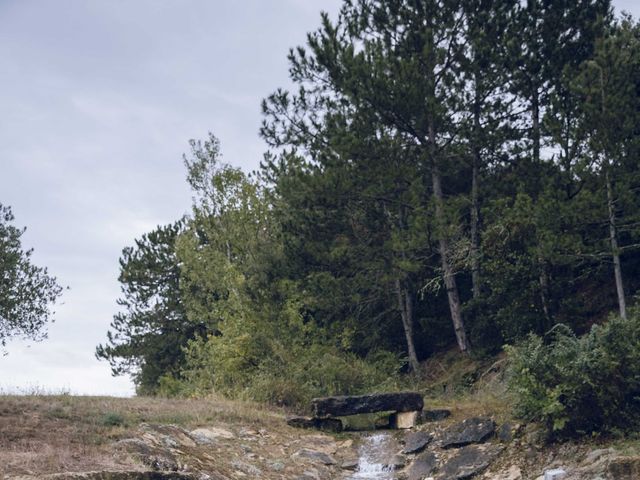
(580, 385)
(271, 352)
(169, 386)
(287, 374)
(112, 419)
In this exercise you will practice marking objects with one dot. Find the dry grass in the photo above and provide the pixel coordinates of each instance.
(466, 386)
(55, 433)
(42, 434)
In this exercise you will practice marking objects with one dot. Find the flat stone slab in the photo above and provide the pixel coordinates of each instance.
(415, 442)
(469, 461)
(342, 406)
(471, 430)
(423, 466)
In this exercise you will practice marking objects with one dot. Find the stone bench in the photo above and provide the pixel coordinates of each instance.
(343, 406)
(406, 405)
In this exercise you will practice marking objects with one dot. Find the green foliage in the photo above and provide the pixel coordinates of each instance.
(27, 292)
(580, 385)
(283, 371)
(438, 162)
(112, 419)
(147, 336)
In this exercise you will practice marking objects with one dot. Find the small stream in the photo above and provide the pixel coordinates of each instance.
(373, 458)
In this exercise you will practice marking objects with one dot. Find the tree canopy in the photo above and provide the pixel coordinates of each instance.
(442, 173)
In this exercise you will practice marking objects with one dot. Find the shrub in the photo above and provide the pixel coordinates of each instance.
(112, 419)
(274, 353)
(169, 386)
(580, 385)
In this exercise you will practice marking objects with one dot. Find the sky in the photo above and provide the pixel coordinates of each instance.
(98, 100)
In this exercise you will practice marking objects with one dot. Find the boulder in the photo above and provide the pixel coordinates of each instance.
(624, 468)
(469, 461)
(415, 442)
(423, 466)
(471, 430)
(377, 402)
(436, 415)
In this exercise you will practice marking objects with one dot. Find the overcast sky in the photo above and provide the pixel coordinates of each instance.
(98, 100)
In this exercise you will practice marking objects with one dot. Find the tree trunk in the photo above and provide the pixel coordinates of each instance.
(613, 237)
(475, 201)
(449, 278)
(405, 305)
(543, 276)
(543, 281)
(535, 124)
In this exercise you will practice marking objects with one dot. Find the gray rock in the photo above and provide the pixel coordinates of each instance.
(469, 461)
(624, 468)
(423, 466)
(246, 468)
(376, 402)
(350, 464)
(555, 474)
(505, 433)
(314, 456)
(596, 455)
(471, 430)
(395, 462)
(435, 415)
(415, 442)
(205, 436)
(276, 466)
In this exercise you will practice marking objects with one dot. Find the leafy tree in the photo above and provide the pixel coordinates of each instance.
(265, 346)
(27, 292)
(147, 337)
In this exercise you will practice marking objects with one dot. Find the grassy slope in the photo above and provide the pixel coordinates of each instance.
(47, 434)
(42, 434)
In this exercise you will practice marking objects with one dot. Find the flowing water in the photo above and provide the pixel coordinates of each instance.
(373, 452)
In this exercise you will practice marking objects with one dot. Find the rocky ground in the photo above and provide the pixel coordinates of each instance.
(130, 439)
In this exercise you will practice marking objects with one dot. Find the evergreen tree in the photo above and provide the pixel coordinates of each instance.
(147, 337)
(27, 292)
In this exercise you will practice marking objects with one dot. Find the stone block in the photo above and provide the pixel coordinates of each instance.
(376, 402)
(403, 420)
(555, 474)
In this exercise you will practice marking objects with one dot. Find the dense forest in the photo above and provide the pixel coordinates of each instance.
(442, 174)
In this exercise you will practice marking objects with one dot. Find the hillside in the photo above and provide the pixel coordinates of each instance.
(135, 438)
